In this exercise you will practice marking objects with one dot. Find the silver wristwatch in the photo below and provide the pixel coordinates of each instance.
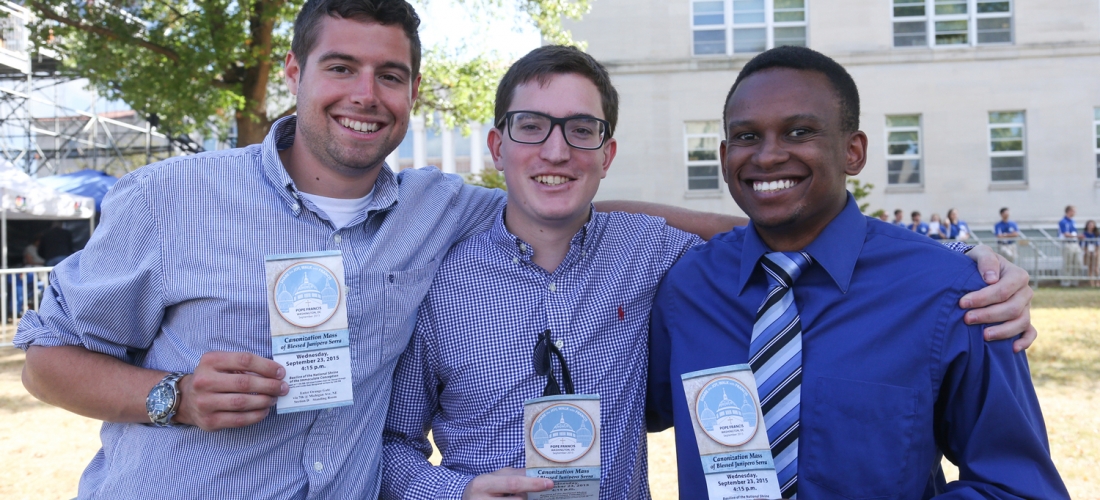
(164, 400)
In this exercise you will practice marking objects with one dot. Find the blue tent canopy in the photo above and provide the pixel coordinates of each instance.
(90, 183)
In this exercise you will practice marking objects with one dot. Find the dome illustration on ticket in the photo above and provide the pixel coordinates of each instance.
(309, 329)
(731, 433)
(561, 437)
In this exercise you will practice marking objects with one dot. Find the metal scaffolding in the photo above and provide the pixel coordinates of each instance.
(44, 137)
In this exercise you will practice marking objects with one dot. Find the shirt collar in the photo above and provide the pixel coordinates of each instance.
(514, 246)
(836, 249)
(281, 137)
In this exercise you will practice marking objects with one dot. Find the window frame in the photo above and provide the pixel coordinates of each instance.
(972, 18)
(918, 128)
(728, 26)
(1008, 154)
(716, 162)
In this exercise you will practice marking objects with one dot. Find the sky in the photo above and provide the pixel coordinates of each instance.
(443, 23)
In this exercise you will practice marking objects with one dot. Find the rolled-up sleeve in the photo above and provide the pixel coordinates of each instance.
(108, 297)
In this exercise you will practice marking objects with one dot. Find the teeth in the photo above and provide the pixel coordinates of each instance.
(359, 126)
(552, 180)
(769, 187)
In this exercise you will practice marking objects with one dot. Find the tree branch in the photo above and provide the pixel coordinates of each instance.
(48, 13)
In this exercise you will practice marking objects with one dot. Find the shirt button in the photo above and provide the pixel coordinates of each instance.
(294, 207)
(553, 287)
(515, 260)
(559, 343)
(318, 466)
(336, 237)
(522, 247)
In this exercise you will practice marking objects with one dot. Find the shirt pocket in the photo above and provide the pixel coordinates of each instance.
(402, 293)
(860, 437)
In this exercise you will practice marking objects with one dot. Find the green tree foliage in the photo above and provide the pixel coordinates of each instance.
(199, 64)
(860, 191)
(488, 177)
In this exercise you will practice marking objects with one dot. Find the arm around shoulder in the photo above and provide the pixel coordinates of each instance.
(704, 224)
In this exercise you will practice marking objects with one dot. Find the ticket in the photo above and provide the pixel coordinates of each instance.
(307, 302)
(562, 443)
(731, 433)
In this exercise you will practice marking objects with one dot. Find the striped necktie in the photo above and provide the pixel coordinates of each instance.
(775, 355)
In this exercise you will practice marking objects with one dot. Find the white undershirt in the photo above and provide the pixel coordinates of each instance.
(340, 210)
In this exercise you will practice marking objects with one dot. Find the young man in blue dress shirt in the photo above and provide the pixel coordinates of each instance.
(889, 378)
(1072, 260)
(917, 226)
(549, 263)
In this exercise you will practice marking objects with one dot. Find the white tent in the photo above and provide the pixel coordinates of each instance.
(23, 198)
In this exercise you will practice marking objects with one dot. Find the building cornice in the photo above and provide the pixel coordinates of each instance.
(859, 58)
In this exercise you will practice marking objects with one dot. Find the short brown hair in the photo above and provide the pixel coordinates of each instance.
(544, 62)
(384, 12)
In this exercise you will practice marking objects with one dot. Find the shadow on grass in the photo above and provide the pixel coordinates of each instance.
(1064, 298)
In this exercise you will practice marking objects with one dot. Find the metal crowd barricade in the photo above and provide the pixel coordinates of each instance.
(20, 291)
(1049, 260)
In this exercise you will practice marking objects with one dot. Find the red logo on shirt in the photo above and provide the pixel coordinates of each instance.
(622, 315)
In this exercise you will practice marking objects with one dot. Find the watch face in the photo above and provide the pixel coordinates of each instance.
(160, 400)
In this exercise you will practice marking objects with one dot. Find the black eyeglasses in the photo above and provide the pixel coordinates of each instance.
(544, 347)
(532, 127)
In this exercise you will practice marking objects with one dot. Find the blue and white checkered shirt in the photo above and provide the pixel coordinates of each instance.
(468, 369)
(177, 269)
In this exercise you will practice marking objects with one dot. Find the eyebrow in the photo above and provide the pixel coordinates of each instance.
(792, 118)
(340, 56)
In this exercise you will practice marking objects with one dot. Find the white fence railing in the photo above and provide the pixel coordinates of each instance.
(1049, 260)
(20, 292)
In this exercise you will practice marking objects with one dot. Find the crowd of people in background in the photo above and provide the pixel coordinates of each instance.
(1080, 250)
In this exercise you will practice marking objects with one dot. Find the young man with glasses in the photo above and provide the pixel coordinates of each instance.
(554, 298)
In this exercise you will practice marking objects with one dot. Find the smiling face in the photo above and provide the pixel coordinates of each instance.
(551, 184)
(786, 157)
(355, 93)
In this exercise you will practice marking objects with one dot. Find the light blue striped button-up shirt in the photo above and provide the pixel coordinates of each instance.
(177, 269)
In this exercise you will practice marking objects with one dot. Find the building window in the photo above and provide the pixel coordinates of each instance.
(1096, 128)
(944, 23)
(701, 141)
(903, 150)
(726, 27)
(1007, 154)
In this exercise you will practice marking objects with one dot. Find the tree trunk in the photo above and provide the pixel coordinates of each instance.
(252, 121)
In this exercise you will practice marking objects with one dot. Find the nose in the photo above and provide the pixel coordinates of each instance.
(770, 153)
(363, 92)
(555, 149)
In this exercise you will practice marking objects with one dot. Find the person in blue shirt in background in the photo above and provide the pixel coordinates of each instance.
(1006, 232)
(956, 229)
(891, 377)
(1071, 249)
(917, 226)
(899, 218)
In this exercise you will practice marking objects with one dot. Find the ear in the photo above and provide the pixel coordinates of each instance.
(416, 88)
(293, 73)
(857, 153)
(609, 151)
(495, 140)
(722, 160)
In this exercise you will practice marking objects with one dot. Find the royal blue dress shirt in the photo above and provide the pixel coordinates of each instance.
(892, 378)
(955, 230)
(469, 368)
(177, 269)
